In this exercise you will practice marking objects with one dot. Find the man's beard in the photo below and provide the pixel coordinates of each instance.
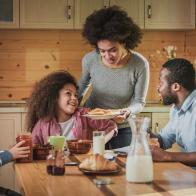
(169, 99)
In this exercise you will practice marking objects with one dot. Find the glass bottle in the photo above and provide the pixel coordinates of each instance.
(156, 128)
(50, 160)
(55, 162)
(56, 159)
(59, 166)
(139, 164)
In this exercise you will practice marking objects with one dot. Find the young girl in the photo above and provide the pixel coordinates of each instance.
(53, 110)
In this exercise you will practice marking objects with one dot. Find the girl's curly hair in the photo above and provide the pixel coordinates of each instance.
(43, 100)
(111, 24)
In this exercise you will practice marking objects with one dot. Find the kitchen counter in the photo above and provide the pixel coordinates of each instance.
(12, 106)
(156, 107)
(19, 106)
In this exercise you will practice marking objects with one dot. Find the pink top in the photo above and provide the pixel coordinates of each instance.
(82, 129)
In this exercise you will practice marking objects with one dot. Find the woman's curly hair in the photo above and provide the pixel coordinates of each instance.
(111, 24)
(44, 98)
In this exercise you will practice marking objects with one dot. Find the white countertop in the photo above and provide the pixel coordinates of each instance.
(12, 106)
(155, 107)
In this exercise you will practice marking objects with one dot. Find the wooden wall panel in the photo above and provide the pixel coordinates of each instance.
(28, 55)
(15, 92)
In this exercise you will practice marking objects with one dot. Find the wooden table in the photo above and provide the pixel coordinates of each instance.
(169, 179)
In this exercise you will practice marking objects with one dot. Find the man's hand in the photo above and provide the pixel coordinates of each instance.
(18, 151)
(159, 154)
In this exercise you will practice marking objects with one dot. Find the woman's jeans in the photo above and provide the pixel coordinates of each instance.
(122, 139)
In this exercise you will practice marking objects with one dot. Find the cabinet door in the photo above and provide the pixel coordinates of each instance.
(146, 114)
(9, 13)
(159, 120)
(46, 14)
(10, 124)
(23, 126)
(84, 8)
(134, 8)
(169, 14)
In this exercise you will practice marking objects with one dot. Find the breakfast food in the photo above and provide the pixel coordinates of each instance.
(97, 163)
(40, 152)
(100, 111)
(79, 146)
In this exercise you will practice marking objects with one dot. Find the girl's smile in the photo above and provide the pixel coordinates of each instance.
(67, 102)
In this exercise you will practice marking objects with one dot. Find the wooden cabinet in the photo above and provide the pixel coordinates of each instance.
(159, 120)
(9, 14)
(169, 14)
(148, 14)
(23, 121)
(71, 14)
(10, 124)
(84, 8)
(47, 14)
(134, 8)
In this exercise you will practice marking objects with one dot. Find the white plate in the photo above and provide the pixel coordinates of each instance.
(125, 149)
(109, 154)
(105, 116)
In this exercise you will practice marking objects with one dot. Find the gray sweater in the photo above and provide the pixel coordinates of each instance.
(125, 87)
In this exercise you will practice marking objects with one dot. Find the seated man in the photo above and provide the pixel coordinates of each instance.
(17, 151)
(177, 86)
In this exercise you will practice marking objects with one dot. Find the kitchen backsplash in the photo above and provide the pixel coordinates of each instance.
(28, 55)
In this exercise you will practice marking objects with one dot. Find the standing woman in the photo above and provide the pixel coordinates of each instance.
(119, 76)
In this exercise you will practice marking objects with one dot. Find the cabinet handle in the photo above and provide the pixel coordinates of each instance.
(149, 11)
(156, 128)
(106, 4)
(69, 12)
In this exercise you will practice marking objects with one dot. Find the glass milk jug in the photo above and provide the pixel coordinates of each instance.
(139, 164)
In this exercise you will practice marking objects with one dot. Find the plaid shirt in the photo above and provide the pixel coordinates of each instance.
(82, 129)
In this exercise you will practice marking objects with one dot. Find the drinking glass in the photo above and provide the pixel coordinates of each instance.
(98, 142)
(28, 142)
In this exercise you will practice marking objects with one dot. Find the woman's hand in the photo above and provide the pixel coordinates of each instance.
(18, 151)
(122, 117)
(110, 135)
